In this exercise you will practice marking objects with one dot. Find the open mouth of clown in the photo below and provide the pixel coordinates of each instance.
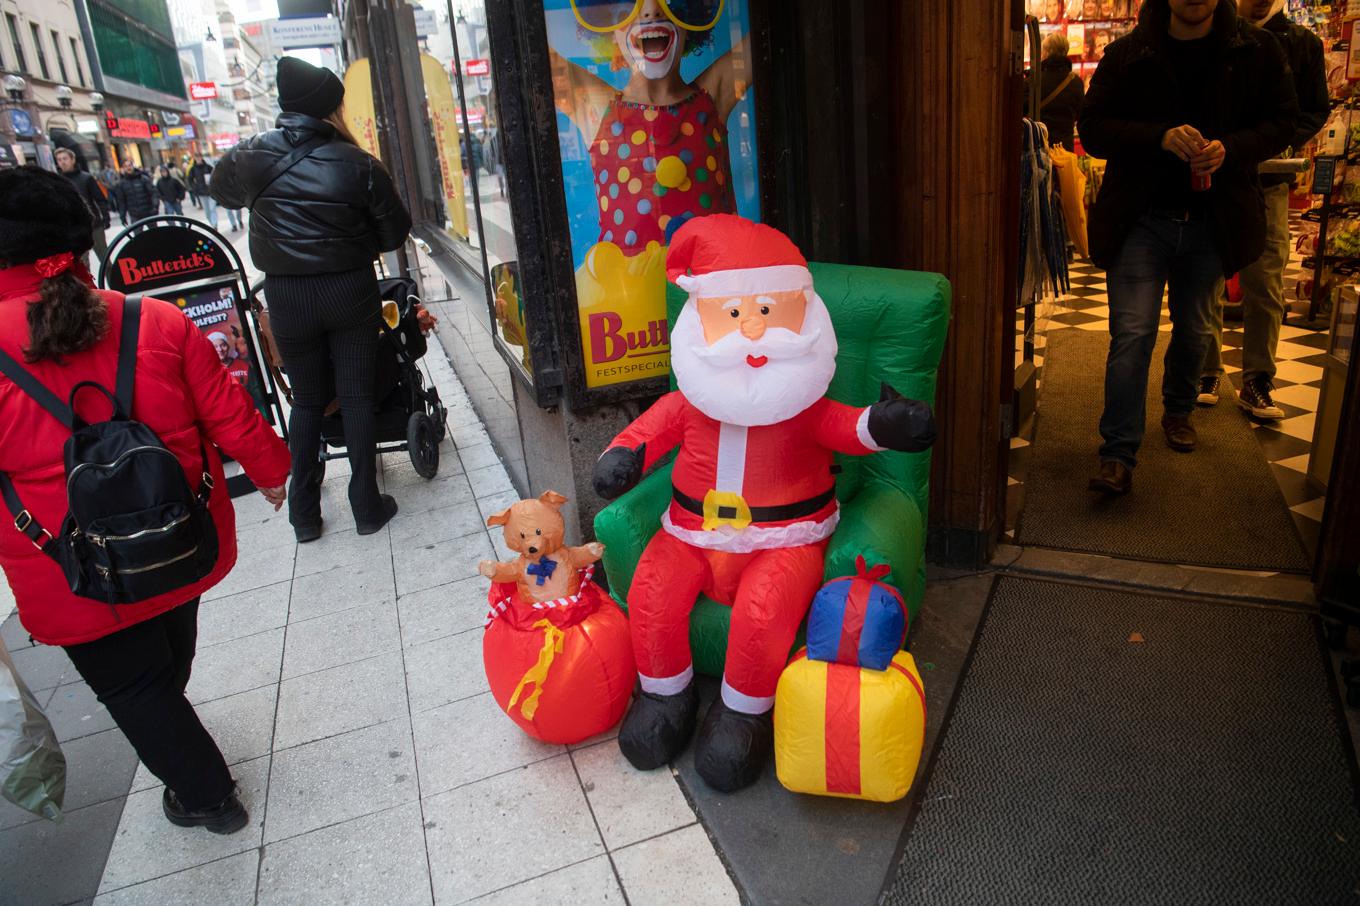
(653, 42)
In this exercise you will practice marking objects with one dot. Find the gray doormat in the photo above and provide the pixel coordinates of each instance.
(1204, 764)
(1218, 506)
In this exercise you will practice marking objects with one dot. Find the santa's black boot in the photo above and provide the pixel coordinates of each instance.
(657, 727)
(733, 747)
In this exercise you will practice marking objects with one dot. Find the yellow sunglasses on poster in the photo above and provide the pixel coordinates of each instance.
(603, 16)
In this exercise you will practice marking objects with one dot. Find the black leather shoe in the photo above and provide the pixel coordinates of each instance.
(1114, 479)
(389, 509)
(658, 727)
(1180, 435)
(733, 747)
(227, 817)
(306, 533)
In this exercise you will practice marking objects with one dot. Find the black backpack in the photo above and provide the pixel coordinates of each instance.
(134, 529)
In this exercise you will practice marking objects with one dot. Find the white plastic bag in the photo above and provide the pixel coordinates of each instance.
(32, 768)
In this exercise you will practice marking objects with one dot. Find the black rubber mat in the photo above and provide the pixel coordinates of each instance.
(1218, 506)
(1109, 748)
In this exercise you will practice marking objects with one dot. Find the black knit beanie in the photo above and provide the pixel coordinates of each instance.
(41, 214)
(311, 90)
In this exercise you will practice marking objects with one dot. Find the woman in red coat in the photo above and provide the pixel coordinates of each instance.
(135, 657)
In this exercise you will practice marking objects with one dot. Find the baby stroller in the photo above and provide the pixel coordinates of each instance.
(411, 418)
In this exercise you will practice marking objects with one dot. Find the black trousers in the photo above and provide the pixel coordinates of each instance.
(327, 329)
(139, 674)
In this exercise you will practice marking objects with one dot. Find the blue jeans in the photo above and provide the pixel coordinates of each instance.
(1159, 253)
(234, 218)
(210, 210)
(173, 207)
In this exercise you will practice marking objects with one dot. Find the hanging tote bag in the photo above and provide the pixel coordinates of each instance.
(1072, 189)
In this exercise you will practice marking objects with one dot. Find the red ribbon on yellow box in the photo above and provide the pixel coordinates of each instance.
(846, 731)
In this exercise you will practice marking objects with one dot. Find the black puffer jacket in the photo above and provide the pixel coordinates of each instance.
(334, 210)
(1134, 99)
(1303, 50)
(136, 197)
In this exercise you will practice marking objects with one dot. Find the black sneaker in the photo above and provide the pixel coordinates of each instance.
(1255, 398)
(227, 817)
(1208, 390)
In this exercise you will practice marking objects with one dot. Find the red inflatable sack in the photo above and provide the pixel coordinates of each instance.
(563, 670)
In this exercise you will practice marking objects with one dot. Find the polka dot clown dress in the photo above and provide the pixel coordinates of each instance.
(657, 167)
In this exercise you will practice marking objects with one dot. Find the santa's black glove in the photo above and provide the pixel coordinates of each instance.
(898, 423)
(618, 470)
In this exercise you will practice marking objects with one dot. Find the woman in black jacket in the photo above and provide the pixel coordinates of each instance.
(1061, 91)
(322, 210)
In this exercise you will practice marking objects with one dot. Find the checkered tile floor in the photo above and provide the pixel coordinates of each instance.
(1286, 443)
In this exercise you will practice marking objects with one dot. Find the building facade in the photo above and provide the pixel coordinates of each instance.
(250, 65)
(57, 104)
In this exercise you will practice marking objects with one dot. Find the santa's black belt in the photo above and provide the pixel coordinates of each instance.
(781, 513)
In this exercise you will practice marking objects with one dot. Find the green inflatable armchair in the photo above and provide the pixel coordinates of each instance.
(890, 326)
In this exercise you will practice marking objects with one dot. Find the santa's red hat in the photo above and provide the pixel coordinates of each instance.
(727, 255)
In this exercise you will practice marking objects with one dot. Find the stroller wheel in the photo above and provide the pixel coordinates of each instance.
(422, 441)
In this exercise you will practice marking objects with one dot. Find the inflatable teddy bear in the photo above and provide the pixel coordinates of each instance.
(556, 650)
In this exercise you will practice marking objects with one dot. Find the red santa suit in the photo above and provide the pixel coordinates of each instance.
(751, 511)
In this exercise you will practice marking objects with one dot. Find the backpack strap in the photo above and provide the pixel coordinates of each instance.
(23, 520)
(127, 351)
(284, 164)
(25, 381)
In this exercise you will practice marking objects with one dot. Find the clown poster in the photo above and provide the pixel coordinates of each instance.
(656, 120)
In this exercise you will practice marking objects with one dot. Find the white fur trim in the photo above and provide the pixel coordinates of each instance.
(746, 704)
(750, 281)
(862, 431)
(667, 685)
(754, 537)
(731, 458)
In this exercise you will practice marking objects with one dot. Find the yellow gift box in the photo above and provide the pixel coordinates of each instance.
(845, 731)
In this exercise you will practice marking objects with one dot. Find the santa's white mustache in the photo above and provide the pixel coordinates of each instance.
(777, 343)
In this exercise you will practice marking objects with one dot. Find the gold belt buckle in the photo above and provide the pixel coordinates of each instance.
(725, 508)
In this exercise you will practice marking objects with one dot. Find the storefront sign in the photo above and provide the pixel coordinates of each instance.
(426, 23)
(443, 116)
(202, 91)
(318, 31)
(224, 140)
(182, 132)
(170, 118)
(165, 256)
(634, 173)
(123, 127)
(87, 127)
(478, 67)
(358, 109)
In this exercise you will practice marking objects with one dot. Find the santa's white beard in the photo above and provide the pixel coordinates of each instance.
(720, 383)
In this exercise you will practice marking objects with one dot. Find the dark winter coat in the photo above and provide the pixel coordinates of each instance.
(1303, 50)
(1060, 114)
(136, 197)
(199, 175)
(1134, 99)
(170, 189)
(89, 190)
(334, 210)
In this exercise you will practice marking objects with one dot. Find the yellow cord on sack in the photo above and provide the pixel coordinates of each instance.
(552, 646)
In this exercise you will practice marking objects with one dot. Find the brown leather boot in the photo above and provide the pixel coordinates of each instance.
(1114, 479)
(1180, 436)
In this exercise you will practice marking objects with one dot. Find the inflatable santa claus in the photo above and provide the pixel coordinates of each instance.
(753, 502)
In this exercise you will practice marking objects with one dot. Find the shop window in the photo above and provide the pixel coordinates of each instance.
(38, 49)
(656, 126)
(21, 61)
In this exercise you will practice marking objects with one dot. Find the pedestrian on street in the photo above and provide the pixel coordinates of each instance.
(1184, 109)
(234, 219)
(322, 209)
(135, 195)
(135, 657)
(88, 189)
(171, 192)
(199, 176)
(1263, 305)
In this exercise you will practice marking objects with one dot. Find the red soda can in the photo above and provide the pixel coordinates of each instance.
(1200, 182)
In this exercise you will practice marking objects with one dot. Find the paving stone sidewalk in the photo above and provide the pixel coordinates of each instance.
(343, 681)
